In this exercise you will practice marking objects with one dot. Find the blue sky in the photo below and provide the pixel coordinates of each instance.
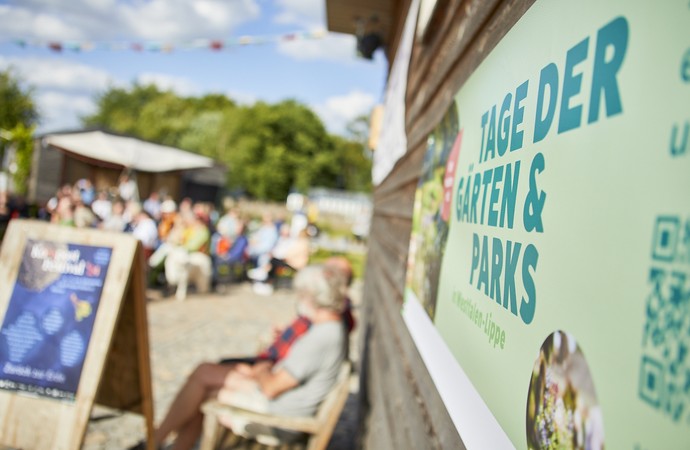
(324, 73)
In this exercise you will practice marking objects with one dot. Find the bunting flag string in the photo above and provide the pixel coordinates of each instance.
(165, 46)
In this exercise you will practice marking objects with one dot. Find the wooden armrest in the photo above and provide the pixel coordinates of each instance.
(305, 424)
(320, 426)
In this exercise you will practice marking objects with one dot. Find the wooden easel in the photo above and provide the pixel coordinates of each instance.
(116, 370)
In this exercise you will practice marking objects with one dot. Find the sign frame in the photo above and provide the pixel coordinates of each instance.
(116, 370)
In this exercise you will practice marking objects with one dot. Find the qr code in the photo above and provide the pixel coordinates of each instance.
(665, 367)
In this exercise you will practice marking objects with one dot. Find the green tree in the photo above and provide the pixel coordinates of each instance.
(17, 108)
(191, 123)
(269, 149)
(208, 133)
(358, 130)
(165, 119)
(22, 139)
(354, 165)
(275, 148)
(119, 109)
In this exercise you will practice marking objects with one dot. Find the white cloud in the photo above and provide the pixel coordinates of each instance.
(21, 22)
(337, 111)
(63, 90)
(334, 47)
(242, 98)
(61, 74)
(310, 15)
(62, 110)
(304, 13)
(173, 21)
(107, 19)
(180, 85)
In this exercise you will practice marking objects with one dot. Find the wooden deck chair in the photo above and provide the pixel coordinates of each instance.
(319, 427)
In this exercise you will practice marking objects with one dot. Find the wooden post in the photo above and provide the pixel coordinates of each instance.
(138, 292)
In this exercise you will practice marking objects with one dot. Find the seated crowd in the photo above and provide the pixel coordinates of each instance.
(190, 243)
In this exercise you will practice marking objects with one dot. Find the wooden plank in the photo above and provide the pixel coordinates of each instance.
(425, 113)
(413, 426)
(385, 242)
(388, 193)
(330, 411)
(423, 385)
(406, 170)
(388, 430)
(396, 224)
(391, 282)
(396, 271)
(211, 433)
(306, 424)
(428, 46)
(138, 299)
(398, 208)
(393, 237)
(434, 62)
(387, 319)
(383, 395)
(128, 362)
(115, 390)
(375, 430)
(400, 11)
(388, 282)
(374, 434)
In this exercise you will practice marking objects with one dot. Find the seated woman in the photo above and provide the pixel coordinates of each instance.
(188, 259)
(229, 255)
(295, 385)
(336, 266)
(290, 254)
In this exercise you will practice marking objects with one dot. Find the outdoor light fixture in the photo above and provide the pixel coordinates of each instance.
(367, 45)
(368, 37)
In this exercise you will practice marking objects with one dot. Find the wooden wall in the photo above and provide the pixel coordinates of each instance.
(401, 408)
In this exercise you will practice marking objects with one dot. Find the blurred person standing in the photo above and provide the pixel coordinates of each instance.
(115, 221)
(152, 205)
(145, 230)
(86, 191)
(127, 187)
(186, 205)
(291, 253)
(83, 216)
(167, 220)
(262, 241)
(64, 211)
(227, 224)
(52, 204)
(102, 206)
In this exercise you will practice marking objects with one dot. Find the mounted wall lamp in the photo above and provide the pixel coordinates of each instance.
(369, 38)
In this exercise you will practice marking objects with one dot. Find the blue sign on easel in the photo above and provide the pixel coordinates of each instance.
(50, 316)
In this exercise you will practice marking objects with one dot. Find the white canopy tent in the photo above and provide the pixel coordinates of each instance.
(128, 152)
(64, 158)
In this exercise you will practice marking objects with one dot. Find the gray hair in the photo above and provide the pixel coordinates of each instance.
(325, 288)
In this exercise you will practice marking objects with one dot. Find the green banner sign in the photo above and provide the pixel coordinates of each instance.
(551, 232)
